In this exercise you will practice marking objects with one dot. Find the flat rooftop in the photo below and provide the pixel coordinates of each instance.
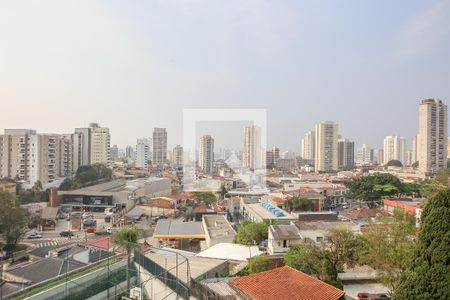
(230, 251)
(263, 213)
(177, 229)
(197, 265)
(218, 226)
(284, 232)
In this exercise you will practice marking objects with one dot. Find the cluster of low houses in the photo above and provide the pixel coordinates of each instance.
(201, 254)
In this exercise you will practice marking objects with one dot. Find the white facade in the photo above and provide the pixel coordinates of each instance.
(32, 157)
(433, 135)
(159, 146)
(326, 152)
(252, 155)
(308, 145)
(364, 156)
(100, 145)
(143, 152)
(395, 149)
(206, 154)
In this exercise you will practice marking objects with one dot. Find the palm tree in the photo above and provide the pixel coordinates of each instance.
(127, 239)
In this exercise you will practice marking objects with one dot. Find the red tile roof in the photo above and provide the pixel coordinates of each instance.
(286, 283)
(278, 200)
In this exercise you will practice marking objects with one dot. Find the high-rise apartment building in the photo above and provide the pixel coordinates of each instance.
(91, 145)
(178, 156)
(159, 146)
(272, 156)
(346, 153)
(206, 154)
(129, 152)
(100, 145)
(395, 149)
(414, 154)
(252, 155)
(433, 135)
(143, 152)
(114, 153)
(326, 150)
(365, 155)
(379, 156)
(307, 146)
(81, 147)
(33, 157)
(66, 154)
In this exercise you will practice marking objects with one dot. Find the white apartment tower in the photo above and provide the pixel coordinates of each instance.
(32, 157)
(143, 152)
(206, 154)
(364, 156)
(326, 150)
(433, 134)
(395, 149)
(100, 145)
(307, 146)
(252, 155)
(159, 146)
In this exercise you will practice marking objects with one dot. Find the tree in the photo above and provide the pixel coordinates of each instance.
(389, 245)
(258, 264)
(205, 197)
(428, 276)
(308, 258)
(373, 188)
(299, 204)
(342, 245)
(127, 238)
(441, 182)
(69, 184)
(251, 233)
(394, 163)
(13, 221)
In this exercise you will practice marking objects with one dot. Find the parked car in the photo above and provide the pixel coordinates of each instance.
(102, 233)
(89, 230)
(86, 215)
(373, 296)
(34, 235)
(89, 222)
(66, 233)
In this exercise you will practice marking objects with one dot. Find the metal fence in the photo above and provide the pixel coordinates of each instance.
(173, 282)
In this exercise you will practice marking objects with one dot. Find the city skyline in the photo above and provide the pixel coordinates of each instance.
(112, 63)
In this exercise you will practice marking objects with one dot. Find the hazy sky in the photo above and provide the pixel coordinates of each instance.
(134, 65)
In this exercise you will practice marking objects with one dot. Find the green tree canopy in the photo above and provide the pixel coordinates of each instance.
(251, 233)
(299, 203)
(258, 264)
(205, 197)
(441, 182)
(373, 188)
(394, 163)
(428, 276)
(389, 244)
(13, 221)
